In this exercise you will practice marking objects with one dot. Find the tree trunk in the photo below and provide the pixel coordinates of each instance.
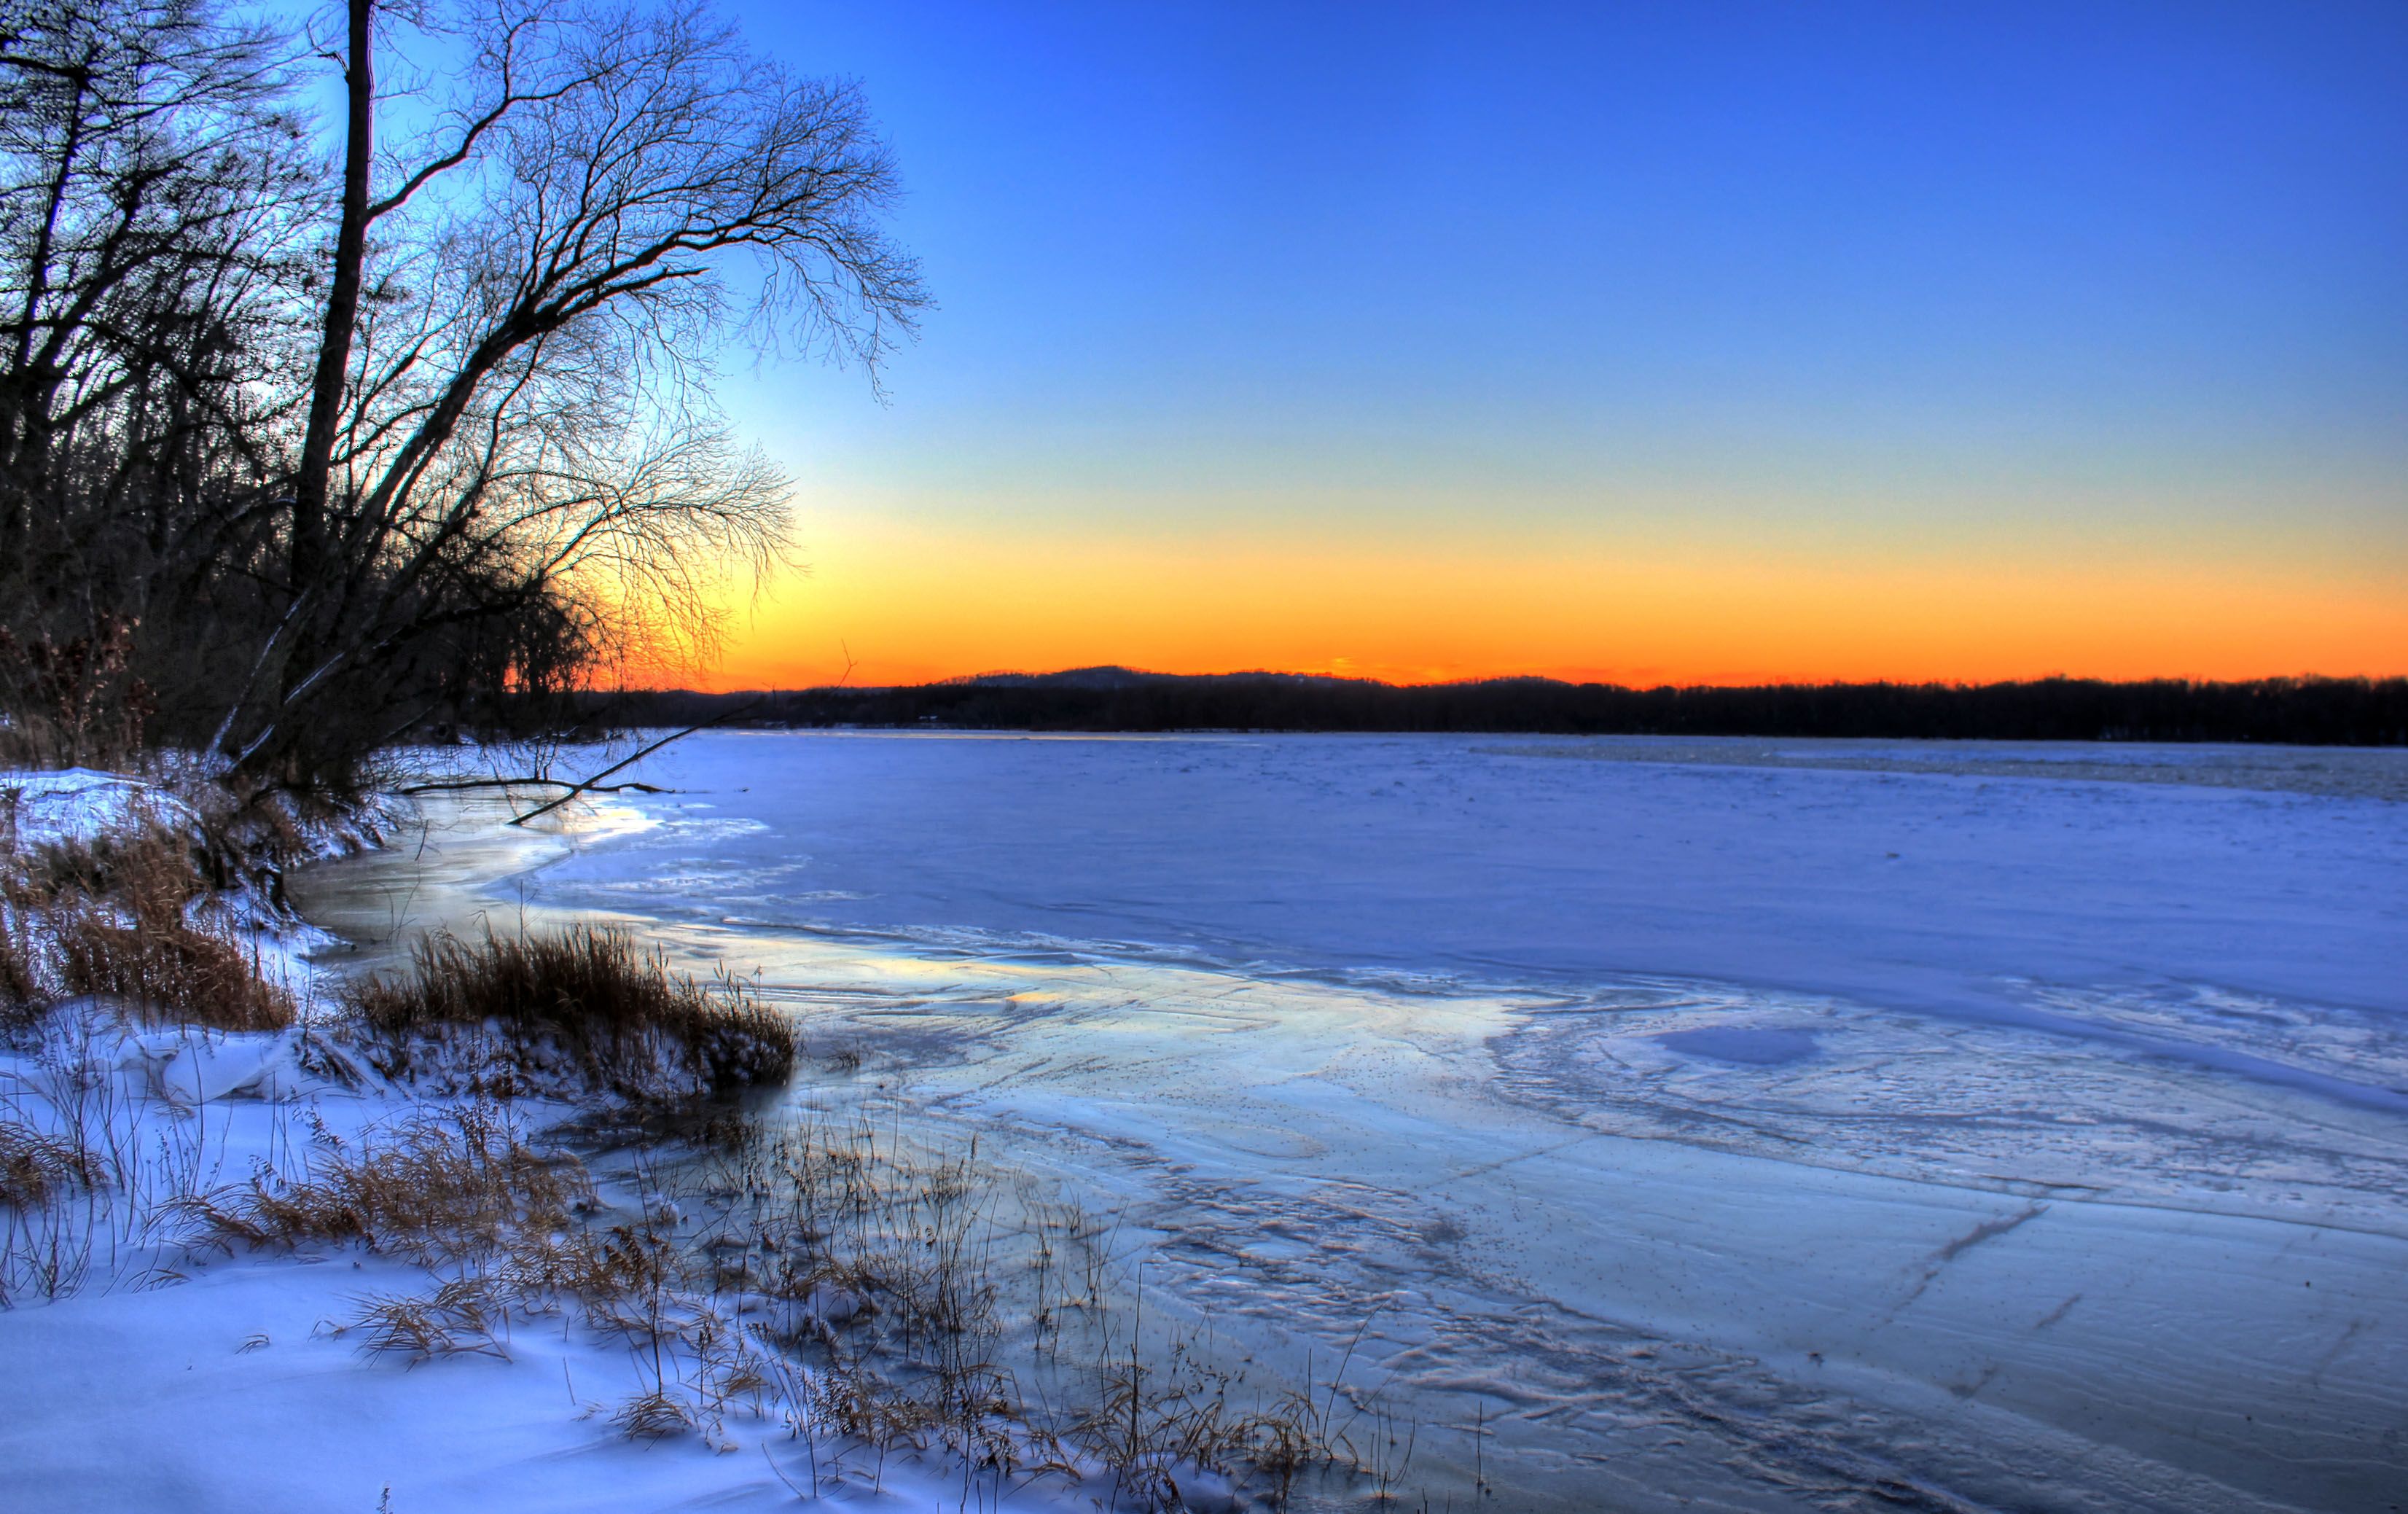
(310, 487)
(25, 394)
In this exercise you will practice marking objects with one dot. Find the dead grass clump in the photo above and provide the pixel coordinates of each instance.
(20, 988)
(127, 917)
(931, 1314)
(457, 1320)
(36, 1168)
(864, 1287)
(464, 1185)
(1153, 1417)
(652, 1414)
(586, 1003)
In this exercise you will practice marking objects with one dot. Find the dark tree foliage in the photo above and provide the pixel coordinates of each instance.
(334, 427)
(2354, 712)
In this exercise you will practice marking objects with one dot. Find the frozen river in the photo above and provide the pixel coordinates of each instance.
(1726, 1125)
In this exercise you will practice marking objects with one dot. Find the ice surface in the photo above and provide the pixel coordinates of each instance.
(1929, 892)
(1706, 1126)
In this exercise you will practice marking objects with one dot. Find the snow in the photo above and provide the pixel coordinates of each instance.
(238, 1398)
(230, 1394)
(81, 804)
(175, 1379)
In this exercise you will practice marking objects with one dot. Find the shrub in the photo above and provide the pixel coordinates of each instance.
(75, 703)
(585, 1002)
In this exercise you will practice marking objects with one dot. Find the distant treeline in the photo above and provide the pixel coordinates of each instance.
(2354, 712)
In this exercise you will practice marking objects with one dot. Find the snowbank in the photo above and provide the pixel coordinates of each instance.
(169, 1377)
(83, 805)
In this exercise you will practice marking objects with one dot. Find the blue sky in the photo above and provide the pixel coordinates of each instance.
(1912, 283)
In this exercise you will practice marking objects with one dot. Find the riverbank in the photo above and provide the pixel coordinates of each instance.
(1253, 1082)
(465, 1232)
(1676, 1140)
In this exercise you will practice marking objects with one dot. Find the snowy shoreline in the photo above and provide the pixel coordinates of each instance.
(169, 1349)
(1765, 1243)
(1658, 1105)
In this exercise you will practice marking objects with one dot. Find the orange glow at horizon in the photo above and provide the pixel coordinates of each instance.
(914, 606)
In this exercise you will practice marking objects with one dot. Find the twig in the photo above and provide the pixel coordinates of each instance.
(529, 782)
(782, 1476)
(580, 788)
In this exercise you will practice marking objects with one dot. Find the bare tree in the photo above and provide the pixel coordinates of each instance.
(148, 200)
(152, 205)
(421, 425)
(613, 195)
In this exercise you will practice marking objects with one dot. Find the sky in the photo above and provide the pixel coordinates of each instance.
(1708, 342)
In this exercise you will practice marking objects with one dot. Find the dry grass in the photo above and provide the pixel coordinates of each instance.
(877, 1294)
(92, 1172)
(21, 970)
(508, 1014)
(131, 918)
(933, 1309)
(878, 1297)
(653, 1413)
(459, 1186)
(37, 1167)
(457, 1320)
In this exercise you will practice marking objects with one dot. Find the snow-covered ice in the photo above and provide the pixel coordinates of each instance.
(1732, 1126)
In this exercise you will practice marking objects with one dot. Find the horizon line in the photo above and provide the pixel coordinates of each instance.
(1696, 685)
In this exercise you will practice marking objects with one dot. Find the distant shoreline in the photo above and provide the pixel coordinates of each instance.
(2314, 711)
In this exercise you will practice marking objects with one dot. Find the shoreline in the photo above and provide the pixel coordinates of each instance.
(408, 1401)
(1527, 1251)
(993, 1032)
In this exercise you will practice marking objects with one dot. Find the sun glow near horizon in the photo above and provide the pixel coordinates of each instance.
(903, 608)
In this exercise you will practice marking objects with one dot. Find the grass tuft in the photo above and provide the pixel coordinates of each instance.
(652, 1414)
(130, 917)
(586, 1003)
(457, 1320)
(462, 1185)
(36, 1168)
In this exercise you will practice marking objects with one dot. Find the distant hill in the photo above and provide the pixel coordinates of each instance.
(2355, 711)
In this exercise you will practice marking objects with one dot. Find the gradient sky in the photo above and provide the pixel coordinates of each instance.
(1665, 342)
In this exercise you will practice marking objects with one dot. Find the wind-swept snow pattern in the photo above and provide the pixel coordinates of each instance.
(1662, 1125)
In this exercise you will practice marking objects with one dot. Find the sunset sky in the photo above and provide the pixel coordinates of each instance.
(1698, 342)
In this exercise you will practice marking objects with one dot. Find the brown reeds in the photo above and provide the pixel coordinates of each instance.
(875, 1295)
(36, 1166)
(440, 1187)
(932, 1312)
(131, 918)
(510, 1014)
